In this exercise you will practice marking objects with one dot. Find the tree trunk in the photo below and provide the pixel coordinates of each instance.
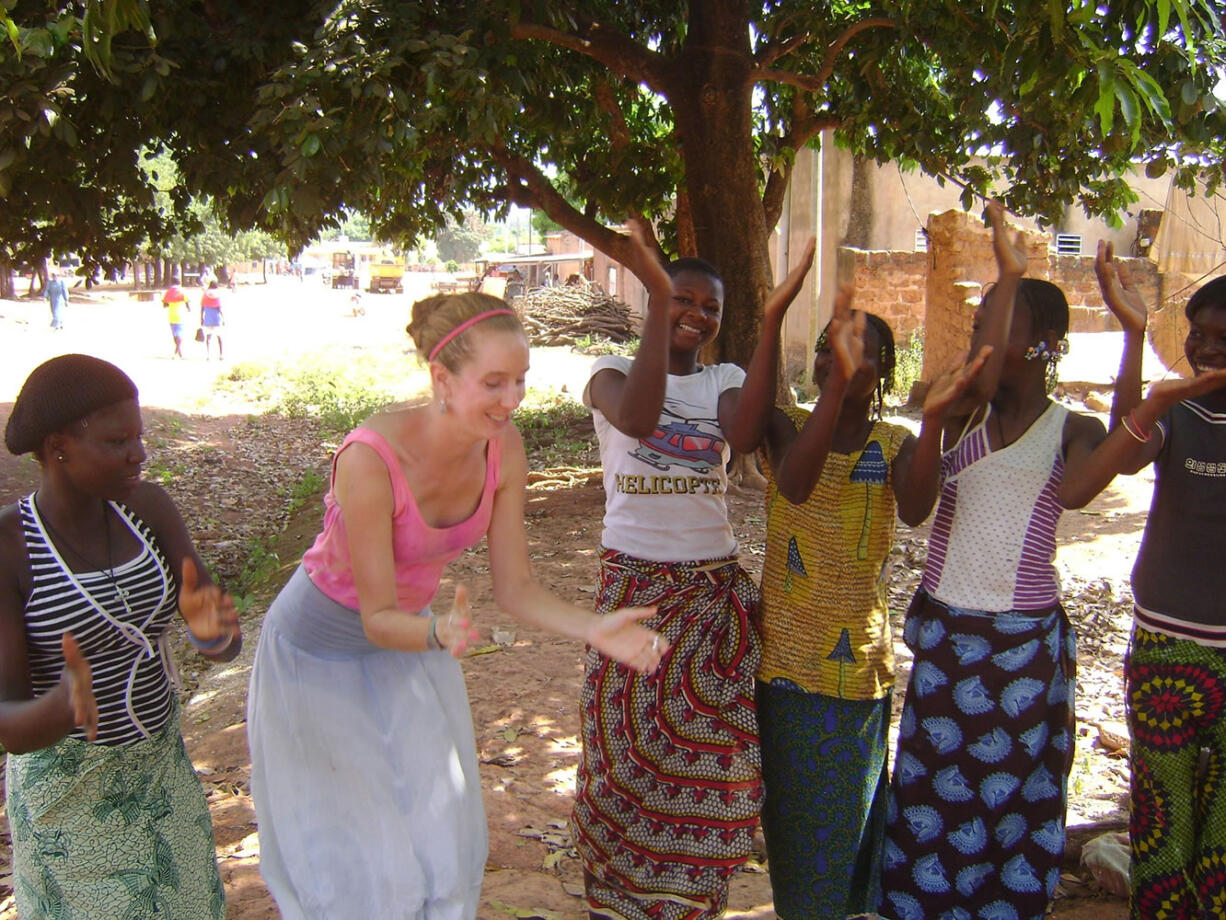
(712, 101)
(6, 281)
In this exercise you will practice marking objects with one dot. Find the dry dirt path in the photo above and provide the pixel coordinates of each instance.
(524, 685)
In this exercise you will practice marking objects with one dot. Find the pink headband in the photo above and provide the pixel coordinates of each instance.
(442, 343)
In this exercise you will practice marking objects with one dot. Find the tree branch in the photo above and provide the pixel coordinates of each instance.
(804, 126)
(817, 81)
(618, 52)
(772, 52)
(528, 187)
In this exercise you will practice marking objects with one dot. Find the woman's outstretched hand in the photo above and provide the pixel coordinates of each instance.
(619, 635)
(779, 299)
(208, 611)
(79, 684)
(948, 387)
(455, 630)
(646, 265)
(1011, 254)
(846, 333)
(1118, 289)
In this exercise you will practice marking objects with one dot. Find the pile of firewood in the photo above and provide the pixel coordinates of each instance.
(565, 315)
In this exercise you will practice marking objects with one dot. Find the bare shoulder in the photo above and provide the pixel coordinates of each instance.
(150, 502)
(1083, 430)
(12, 537)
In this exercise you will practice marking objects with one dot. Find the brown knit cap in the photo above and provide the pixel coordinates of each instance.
(59, 392)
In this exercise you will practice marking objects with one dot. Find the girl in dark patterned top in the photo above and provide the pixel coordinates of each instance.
(1176, 669)
(105, 809)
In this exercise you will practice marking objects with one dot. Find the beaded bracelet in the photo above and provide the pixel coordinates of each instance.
(432, 640)
(212, 646)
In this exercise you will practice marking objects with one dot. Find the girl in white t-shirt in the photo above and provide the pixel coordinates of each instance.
(669, 786)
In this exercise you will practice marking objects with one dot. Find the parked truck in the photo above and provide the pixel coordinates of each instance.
(386, 275)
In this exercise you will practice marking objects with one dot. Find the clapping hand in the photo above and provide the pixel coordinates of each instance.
(79, 683)
(646, 265)
(947, 388)
(1119, 291)
(208, 611)
(779, 299)
(846, 334)
(1010, 254)
(619, 636)
(455, 630)
(1177, 389)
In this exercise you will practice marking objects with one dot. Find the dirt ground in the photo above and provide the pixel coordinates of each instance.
(523, 684)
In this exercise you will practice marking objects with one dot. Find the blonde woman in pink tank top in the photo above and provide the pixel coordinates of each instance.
(364, 768)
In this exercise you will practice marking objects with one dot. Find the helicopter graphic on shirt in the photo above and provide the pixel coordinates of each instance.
(682, 442)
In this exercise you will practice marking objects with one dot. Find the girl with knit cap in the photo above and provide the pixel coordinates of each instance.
(107, 815)
(364, 767)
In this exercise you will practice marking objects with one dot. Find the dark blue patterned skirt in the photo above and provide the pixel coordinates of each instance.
(975, 825)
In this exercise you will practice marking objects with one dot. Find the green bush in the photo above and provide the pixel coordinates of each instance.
(908, 366)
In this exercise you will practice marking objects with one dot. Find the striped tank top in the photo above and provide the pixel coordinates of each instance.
(118, 617)
(993, 541)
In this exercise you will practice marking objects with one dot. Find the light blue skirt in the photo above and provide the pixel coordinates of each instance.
(363, 770)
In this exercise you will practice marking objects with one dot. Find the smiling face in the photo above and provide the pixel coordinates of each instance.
(489, 385)
(103, 456)
(696, 311)
(1205, 346)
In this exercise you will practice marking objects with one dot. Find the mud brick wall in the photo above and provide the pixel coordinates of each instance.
(891, 285)
(960, 262)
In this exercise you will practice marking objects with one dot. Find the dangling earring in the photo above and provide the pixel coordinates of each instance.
(60, 457)
(442, 405)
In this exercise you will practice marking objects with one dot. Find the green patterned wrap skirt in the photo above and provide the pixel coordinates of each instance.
(112, 831)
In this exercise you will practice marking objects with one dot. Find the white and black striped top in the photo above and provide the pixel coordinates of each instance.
(117, 621)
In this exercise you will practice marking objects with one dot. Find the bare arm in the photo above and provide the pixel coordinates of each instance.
(750, 409)
(364, 493)
(618, 635)
(800, 465)
(1125, 301)
(632, 402)
(1123, 451)
(208, 611)
(995, 316)
(29, 723)
(917, 468)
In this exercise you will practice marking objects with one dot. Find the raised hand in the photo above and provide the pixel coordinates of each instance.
(646, 265)
(79, 683)
(620, 636)
(779, 299)
(949, 386)
(1177, 389)
(455, 630)
(1119, 292)
(208, 611)
(846, 334)
(1011, 255)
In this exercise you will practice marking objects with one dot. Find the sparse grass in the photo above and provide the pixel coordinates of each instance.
(336, 387)
(305, 491)
(557, 430)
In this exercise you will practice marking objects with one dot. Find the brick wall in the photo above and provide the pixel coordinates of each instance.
(891, 285)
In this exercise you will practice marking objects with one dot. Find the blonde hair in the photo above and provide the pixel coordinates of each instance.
(433, 318)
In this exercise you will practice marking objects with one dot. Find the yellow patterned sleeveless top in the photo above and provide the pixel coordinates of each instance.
(824, 617)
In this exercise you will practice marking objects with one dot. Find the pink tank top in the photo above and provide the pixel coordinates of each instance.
(421, 552)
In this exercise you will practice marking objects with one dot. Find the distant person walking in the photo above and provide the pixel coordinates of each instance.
(211, 320)
(56, 293)
(175, 302)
